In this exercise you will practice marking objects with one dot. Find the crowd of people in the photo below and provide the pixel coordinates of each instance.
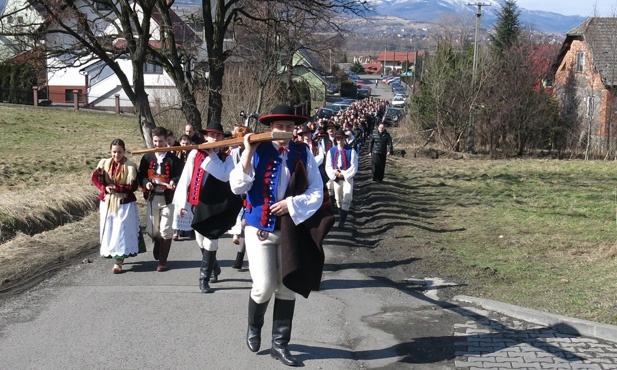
(278, 199)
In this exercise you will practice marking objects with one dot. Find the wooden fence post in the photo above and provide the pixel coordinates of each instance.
(35, 93)
(76, 99)
(117, 96)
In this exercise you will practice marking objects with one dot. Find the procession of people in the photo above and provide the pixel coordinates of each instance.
(277, 198)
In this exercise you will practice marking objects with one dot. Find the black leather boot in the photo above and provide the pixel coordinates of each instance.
(216, 271)
(281, 331)
(239, 260)
(256, 322)
(342, 218)
(205, 270)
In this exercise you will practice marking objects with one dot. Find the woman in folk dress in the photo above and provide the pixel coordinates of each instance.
(116, 178)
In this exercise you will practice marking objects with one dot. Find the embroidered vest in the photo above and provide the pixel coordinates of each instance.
(263, 193)
(346, 158)
(198, 175)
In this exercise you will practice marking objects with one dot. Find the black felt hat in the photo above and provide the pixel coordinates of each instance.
(341, 133)
(304, 129)
(282, 113)
(213, 127)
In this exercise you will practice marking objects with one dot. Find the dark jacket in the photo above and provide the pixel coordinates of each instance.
(172, 164)
(381, 143)
(302, 245)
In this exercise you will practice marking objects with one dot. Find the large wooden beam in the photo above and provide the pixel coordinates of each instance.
(255, 138)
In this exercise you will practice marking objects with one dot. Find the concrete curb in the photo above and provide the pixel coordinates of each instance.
(563, 324)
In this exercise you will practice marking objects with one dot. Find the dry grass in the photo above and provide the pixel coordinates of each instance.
(47, 159)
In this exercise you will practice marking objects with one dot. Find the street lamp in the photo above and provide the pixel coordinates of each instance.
(470, 133)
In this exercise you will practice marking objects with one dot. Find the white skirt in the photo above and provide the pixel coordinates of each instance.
(119, 233)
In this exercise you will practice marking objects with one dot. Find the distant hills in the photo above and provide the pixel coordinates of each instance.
(428, 11)
(431, 10)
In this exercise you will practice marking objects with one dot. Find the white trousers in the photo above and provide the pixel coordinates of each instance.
(265, 265)
(210, 245)
(343, 193)
(160, 217)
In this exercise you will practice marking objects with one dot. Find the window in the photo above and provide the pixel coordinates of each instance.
(580, 61)
(102, 6)
(589, 104)
(152, 68)
(565, 103)
(68, 95)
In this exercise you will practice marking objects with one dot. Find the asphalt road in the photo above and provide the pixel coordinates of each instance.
(88, 318)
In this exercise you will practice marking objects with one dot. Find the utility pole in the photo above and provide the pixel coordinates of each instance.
(470, 133)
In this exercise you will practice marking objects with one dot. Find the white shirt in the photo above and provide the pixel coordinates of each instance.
(349, 173)
(212, 165)
(301, 207)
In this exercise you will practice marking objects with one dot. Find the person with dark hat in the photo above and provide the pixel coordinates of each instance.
(341, 167)
(286, 222)
(204, 187)
(327, 142)
(158, 175)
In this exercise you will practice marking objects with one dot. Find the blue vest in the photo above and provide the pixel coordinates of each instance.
(347, 150)
(262, 194)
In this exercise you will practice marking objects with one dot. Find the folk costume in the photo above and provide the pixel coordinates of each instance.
(238, 229)
(342, 160)
(119, 221)
(285, 252)
(326, 143)
(182, 225)
(204, 188)
(156, 168)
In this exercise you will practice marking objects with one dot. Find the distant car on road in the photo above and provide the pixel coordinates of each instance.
(324, 112)
(398, 101)
(333, 89)
(364, 92)
(393, 116)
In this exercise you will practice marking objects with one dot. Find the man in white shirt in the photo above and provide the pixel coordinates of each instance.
(204, 188)
(270, 173)
(341, 167)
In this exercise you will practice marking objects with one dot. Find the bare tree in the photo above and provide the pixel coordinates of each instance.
(77, 33)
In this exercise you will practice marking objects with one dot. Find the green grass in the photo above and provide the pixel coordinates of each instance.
(536, 233)
(41, 144)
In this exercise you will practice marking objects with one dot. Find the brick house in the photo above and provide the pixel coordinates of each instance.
(585, 78)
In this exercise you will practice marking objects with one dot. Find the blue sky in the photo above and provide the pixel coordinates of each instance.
(605, 8)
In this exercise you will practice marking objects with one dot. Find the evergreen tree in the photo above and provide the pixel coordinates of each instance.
(507, 28)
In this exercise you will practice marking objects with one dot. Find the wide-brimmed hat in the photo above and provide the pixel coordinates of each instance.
(282, 113)
(304, 129)
(213, 127)
(341, 133)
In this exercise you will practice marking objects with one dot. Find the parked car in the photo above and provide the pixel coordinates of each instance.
(364, 92)
(394, 80)
(393, 116)
(400, 91)
(324, 112)
(338, 106)
(333, 89)
(385, 78)
(398, 101)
